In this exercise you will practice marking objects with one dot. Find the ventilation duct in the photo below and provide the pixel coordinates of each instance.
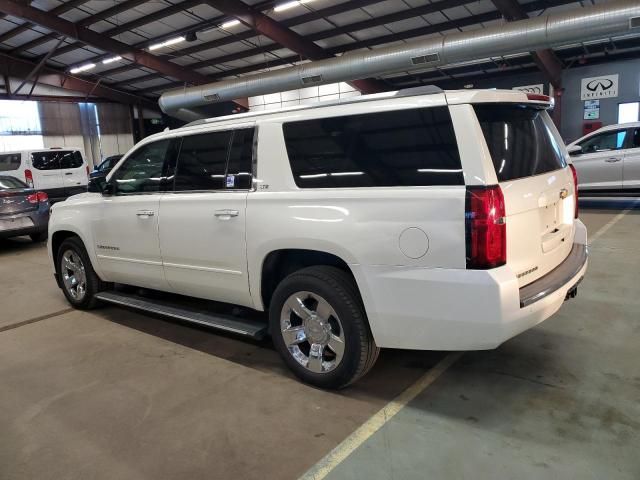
(546, 31)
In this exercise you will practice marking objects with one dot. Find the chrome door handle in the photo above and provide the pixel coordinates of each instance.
(613, 159)
(226, 214)
(145, 213)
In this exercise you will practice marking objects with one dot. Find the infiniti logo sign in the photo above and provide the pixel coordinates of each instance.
(605, 86)
(600, 84)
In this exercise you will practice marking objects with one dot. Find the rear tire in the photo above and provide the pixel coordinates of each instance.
(38, 237)
(79, 281)
(320, 329)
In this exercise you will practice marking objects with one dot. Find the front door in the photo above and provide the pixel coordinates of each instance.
(632, 161)
(125, 231)
(203, 221)
(600, 162)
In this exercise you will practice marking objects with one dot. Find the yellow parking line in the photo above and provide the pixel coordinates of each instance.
(321, 469)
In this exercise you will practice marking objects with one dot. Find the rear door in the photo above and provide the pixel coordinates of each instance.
(631, 175)
(600, 161)
(74, 172)
(47, 174)
(529, 159)
(203, 221)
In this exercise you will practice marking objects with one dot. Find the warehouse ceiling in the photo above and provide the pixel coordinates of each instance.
(133, 50)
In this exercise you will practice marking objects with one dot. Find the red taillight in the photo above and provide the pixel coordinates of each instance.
(575, 189)
(486, 228)
(536, 97)
(28, 177)
(38, 197)
(87, 170)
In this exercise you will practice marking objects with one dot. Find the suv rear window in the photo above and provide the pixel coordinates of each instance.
(56, 159)
(400, 148)
(9, 161)
(521, 140)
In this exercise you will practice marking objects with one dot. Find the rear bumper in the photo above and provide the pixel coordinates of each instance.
(39, 218)
(456, 309)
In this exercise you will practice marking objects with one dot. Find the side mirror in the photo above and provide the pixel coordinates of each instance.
(99, 184)
(574, 150)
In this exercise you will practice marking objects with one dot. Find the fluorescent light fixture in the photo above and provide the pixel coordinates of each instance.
(107, 61)
(230, 23)
(166, 43)
(345, 174)
(439, 170)
(83, 68)
(286, 6)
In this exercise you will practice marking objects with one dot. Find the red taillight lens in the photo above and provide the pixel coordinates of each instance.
(536, 97)
(28, 177)
(486, 228)
(38, 197)
(87, 170)
(575, 189)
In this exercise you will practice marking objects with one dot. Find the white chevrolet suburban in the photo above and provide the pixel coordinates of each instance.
(419, 219)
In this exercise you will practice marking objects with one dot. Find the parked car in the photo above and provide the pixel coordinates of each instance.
(608, 160)
(423, 220)
(105, 166)
(58, 172)
(23, 211)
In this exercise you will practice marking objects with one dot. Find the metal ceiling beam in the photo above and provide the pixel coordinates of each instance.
(18, 67)
(60, 9)
(128, 26)
(352, 27)
(69, 29)
(265, 25)
(546, 60)
(241, 36)
(85, 22)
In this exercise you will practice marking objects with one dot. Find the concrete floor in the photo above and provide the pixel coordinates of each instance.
(115, 394)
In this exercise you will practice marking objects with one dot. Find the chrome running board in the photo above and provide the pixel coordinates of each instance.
(226, 323)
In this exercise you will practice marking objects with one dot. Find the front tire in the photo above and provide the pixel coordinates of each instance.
(319, 327)
(79, 281)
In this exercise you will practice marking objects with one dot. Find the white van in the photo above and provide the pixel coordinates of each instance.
(60, 172)
(419, 219)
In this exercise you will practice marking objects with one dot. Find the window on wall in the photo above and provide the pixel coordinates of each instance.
(628, 112)
(20, 125)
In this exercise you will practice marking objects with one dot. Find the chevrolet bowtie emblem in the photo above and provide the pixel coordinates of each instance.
(564, 193)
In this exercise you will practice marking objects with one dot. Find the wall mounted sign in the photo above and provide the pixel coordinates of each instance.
(592, 109)
(539, 89)
(605, 86)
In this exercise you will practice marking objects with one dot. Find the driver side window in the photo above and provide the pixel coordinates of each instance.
(603, 142)
(142, 171)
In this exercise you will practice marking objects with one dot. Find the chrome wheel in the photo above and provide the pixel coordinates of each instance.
(312, 332)
(73, 275)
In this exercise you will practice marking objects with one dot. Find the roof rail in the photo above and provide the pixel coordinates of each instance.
(407, 92)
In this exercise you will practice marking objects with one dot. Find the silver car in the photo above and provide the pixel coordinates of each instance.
(608, 160)
(23, 210)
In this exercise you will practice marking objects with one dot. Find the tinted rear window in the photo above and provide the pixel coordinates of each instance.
(9, 161)
(520, 139)
(400, 148)
(10, 182)
(56, 159)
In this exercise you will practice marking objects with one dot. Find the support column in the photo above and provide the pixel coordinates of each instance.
(141, 131)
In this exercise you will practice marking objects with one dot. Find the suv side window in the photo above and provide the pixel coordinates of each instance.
(202, 162)
(414, 147)
(240, 160)
(46, 160)
(142, 172)
(635, 138)
(71, 159)
(607, 141)
(9, 161)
